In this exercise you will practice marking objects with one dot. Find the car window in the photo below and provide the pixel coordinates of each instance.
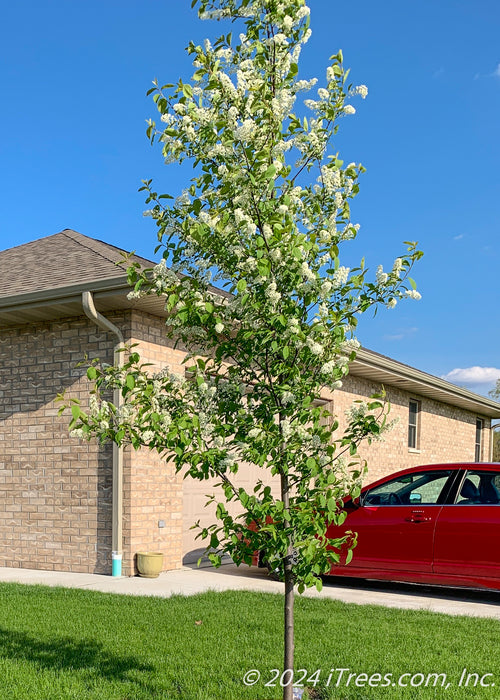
(421, 488)
(479, 488)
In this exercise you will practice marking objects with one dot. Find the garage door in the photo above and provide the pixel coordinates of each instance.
(195, 497)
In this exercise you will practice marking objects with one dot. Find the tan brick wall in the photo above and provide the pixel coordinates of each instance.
(55, 510)
(447, 433)
(152, 489)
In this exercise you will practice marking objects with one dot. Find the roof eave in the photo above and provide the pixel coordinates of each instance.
(64, 294)
(421, 383)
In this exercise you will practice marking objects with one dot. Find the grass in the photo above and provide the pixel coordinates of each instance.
(70, 644)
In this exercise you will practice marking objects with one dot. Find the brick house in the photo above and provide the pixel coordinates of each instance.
(65, 504)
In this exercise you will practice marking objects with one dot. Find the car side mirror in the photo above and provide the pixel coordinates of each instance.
(415, 498)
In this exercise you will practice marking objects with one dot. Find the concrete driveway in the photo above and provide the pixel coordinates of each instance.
(192, 580)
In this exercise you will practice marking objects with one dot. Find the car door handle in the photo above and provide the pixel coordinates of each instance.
(417, 518)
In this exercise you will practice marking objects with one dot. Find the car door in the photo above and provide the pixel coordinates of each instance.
(396, 520)
(467, 539)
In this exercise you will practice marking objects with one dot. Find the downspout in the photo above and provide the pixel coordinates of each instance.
(117, 494)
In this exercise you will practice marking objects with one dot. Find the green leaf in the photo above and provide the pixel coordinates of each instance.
(130, 381)
(76, 411)
(91, 373)
(270, 172)
(241, 286)
(220, 511)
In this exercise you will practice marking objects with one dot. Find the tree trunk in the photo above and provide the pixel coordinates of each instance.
(289, 601)
(289, 636)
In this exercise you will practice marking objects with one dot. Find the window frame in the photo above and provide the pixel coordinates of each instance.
(414, 428)
(443, 498)
(465, 474)
(478, 444)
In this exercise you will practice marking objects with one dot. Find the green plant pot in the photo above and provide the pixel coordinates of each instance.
(149, 564)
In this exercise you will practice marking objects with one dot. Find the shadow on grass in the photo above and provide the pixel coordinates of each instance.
(67, 654)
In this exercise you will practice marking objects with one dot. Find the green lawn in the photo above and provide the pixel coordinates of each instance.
(64, 644)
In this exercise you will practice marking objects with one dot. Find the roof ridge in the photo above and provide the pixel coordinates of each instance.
(87, 242)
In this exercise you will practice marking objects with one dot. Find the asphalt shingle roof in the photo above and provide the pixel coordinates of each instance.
(59, 260)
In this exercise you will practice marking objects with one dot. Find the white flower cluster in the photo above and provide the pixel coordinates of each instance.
(306, 272)
(350, 345)
(272, 294)
(397, 267)
(79, 433)
(246, 131)
(286, 429)
(287, 398)
(279, 39)
(303, 85)
(325, 289)
(148, 436)
(206, 426)
(136, 294)
(163, 277)
(340, 277)
(291, 429)
(214, 14)
(413, 294)
(328, 368)
(228, 462)
(331, 178)
(255, 433)
(361, 90)
(357, 410)
(315, 347)
(177, 380)
(381, 277)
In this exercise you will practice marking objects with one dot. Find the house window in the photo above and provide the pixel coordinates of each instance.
(479, 439)
(413, 425)
(328, 420)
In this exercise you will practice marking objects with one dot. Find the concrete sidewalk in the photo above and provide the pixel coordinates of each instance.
(191, 580)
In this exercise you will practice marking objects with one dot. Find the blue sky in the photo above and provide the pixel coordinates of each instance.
(73, 147)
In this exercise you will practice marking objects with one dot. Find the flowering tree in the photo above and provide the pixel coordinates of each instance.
(256, 292)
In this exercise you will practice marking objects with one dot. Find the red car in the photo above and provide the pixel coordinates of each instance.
(437, 524)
